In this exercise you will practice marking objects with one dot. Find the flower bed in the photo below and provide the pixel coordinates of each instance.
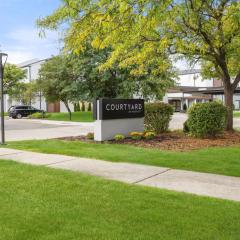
(174, 141)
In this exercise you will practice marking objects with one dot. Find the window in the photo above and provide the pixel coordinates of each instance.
(21, 107)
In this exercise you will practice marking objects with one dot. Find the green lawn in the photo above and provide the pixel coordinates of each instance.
(224, 161)
(76, 117)
(47, 204)
(236, 114)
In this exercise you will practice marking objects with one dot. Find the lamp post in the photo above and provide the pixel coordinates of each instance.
(2, 64)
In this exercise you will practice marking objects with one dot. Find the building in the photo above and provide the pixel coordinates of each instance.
(32, 68)
(191, 88)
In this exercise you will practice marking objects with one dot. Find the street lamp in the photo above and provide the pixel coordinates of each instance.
(3, 60)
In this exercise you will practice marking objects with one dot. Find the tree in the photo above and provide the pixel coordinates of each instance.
(114, 81)
(25, 92)
(59, 82)
(144, 32)
(209, 31)
(12, 78)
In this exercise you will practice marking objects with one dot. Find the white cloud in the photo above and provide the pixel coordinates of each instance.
(24, 44)
(19, 56)
(28, 36)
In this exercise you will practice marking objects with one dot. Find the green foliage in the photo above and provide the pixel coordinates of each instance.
(157, 116)
(40, 115)
(12, 79)
(185, 107)
(186, 127)
(83, 107)
(89, 107)
(119, 137)
(114, 81)
(142, 34)
(219, 160)
(26, 93)
(207, 119)
(76, 116)
(59, 80)
(91, 207)
(236, 114)
(123, 45)
(136, 135)
(149, 135)
(90, 136)
(76, 107)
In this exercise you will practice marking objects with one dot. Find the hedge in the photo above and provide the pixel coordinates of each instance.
(39, 115)
(157, 117)
(207, 119)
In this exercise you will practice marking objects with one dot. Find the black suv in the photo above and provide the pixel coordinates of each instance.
(22, 111)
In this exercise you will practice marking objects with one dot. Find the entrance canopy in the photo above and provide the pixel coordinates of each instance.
(201, 90)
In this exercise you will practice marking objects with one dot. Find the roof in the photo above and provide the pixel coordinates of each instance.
(203, 90)
(31, 62)
(207, 97)
(215, 90)
(189, 71)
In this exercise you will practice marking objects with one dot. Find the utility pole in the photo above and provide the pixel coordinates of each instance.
(30, 80)
(2, 64)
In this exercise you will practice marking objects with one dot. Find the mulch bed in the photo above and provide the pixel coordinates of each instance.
(175, 141)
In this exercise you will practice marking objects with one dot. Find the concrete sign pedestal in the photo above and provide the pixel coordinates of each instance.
(107, 129)
(117, 116)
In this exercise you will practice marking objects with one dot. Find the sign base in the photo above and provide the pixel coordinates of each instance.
(107, 129)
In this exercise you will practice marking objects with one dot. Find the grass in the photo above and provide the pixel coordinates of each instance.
(236, 114)
(48, 204)
(224, 161)
(76, 117)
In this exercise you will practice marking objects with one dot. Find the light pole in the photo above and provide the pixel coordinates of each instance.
(2, 64)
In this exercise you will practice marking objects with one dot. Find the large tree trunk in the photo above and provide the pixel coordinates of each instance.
(228, 93)
(69, 110)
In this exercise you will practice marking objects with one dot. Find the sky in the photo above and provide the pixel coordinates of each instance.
(19, 36)
(18, 32)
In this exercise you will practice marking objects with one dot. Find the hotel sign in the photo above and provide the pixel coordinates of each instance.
(118, 109)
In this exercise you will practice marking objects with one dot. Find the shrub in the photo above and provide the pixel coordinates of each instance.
(119, 137)
(90, 136)
(149, 135)
(207, 119)
(157, 117)
(89, 107)
(39, 115)
(83, 107)
(184, 107)
(185, 127)
(77, 107)
(136, 135)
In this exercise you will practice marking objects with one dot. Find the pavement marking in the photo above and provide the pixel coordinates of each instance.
(51, 164)
(144, 179)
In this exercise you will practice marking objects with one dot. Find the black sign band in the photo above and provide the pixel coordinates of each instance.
(118, 109)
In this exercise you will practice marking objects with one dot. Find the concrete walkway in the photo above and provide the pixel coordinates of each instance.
(183, 181)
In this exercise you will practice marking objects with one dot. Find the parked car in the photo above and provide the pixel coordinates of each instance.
(20, 111)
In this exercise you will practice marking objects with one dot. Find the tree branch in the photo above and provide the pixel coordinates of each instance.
(236, 81)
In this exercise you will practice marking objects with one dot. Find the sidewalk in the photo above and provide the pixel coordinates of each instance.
(211, 185)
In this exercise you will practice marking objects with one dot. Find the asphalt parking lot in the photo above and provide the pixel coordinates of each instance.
(26, 129)
(26, 124)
